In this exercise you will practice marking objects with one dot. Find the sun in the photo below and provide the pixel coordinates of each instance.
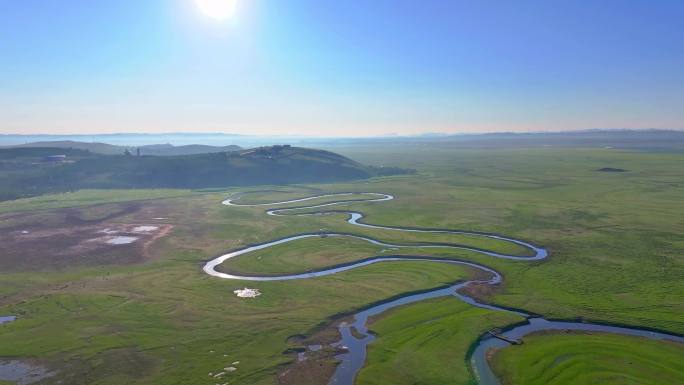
(217, 9)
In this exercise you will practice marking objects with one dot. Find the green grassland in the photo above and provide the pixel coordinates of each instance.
(302, 255)
(580, 358)
(172, 320)
(87, 197)
(616, 242)
(426, 343)
(317, 253)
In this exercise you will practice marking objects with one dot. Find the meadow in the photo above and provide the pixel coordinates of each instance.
(577, 358)
(616, 242)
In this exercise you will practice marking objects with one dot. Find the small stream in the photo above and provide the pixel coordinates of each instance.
(354, 359)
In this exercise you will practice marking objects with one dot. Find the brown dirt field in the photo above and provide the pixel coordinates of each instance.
(67, 238)
(314, 371)
(319, 366)
(480, 292)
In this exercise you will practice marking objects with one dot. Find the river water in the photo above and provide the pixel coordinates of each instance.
(355, 335)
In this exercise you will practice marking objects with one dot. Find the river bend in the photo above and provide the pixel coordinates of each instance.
(353, 360)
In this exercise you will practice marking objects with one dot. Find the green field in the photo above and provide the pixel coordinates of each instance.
(87, 197)
(580, 358)
(318, 253)
(426, 343)
(616, 243)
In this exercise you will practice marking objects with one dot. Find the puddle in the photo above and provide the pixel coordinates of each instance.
(145, 229)
(301, 356)
(7, 319)
(121, 240)
(22, 373)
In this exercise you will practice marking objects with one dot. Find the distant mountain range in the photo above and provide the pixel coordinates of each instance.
(662, 140)
(151, 149)
(30, 171)
(621, 138)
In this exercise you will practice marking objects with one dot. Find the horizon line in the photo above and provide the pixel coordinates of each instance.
(390, 135)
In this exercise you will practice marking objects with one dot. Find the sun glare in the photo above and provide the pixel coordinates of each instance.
(217, 9)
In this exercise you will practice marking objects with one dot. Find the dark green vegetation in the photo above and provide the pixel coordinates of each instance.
(578, 358)
(616, 242)
(34, 171)
(611, 169)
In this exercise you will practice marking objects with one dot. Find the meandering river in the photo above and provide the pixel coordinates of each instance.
(356, 344)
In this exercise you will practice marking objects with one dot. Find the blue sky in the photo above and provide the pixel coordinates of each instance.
(323, 67)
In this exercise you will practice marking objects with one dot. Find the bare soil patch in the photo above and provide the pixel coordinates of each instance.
(480, 292)
(315, 370)
(91, 236)
(318, 364)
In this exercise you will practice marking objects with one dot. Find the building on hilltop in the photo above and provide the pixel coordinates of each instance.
(55, 158)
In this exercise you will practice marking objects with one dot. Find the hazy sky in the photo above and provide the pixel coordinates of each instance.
(328, 67)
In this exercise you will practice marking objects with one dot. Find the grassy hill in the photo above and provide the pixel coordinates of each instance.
(30, 171)
(190, 149)
(110, 149)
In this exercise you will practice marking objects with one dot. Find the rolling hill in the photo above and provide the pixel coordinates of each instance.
(33, 171)
(151, 149)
